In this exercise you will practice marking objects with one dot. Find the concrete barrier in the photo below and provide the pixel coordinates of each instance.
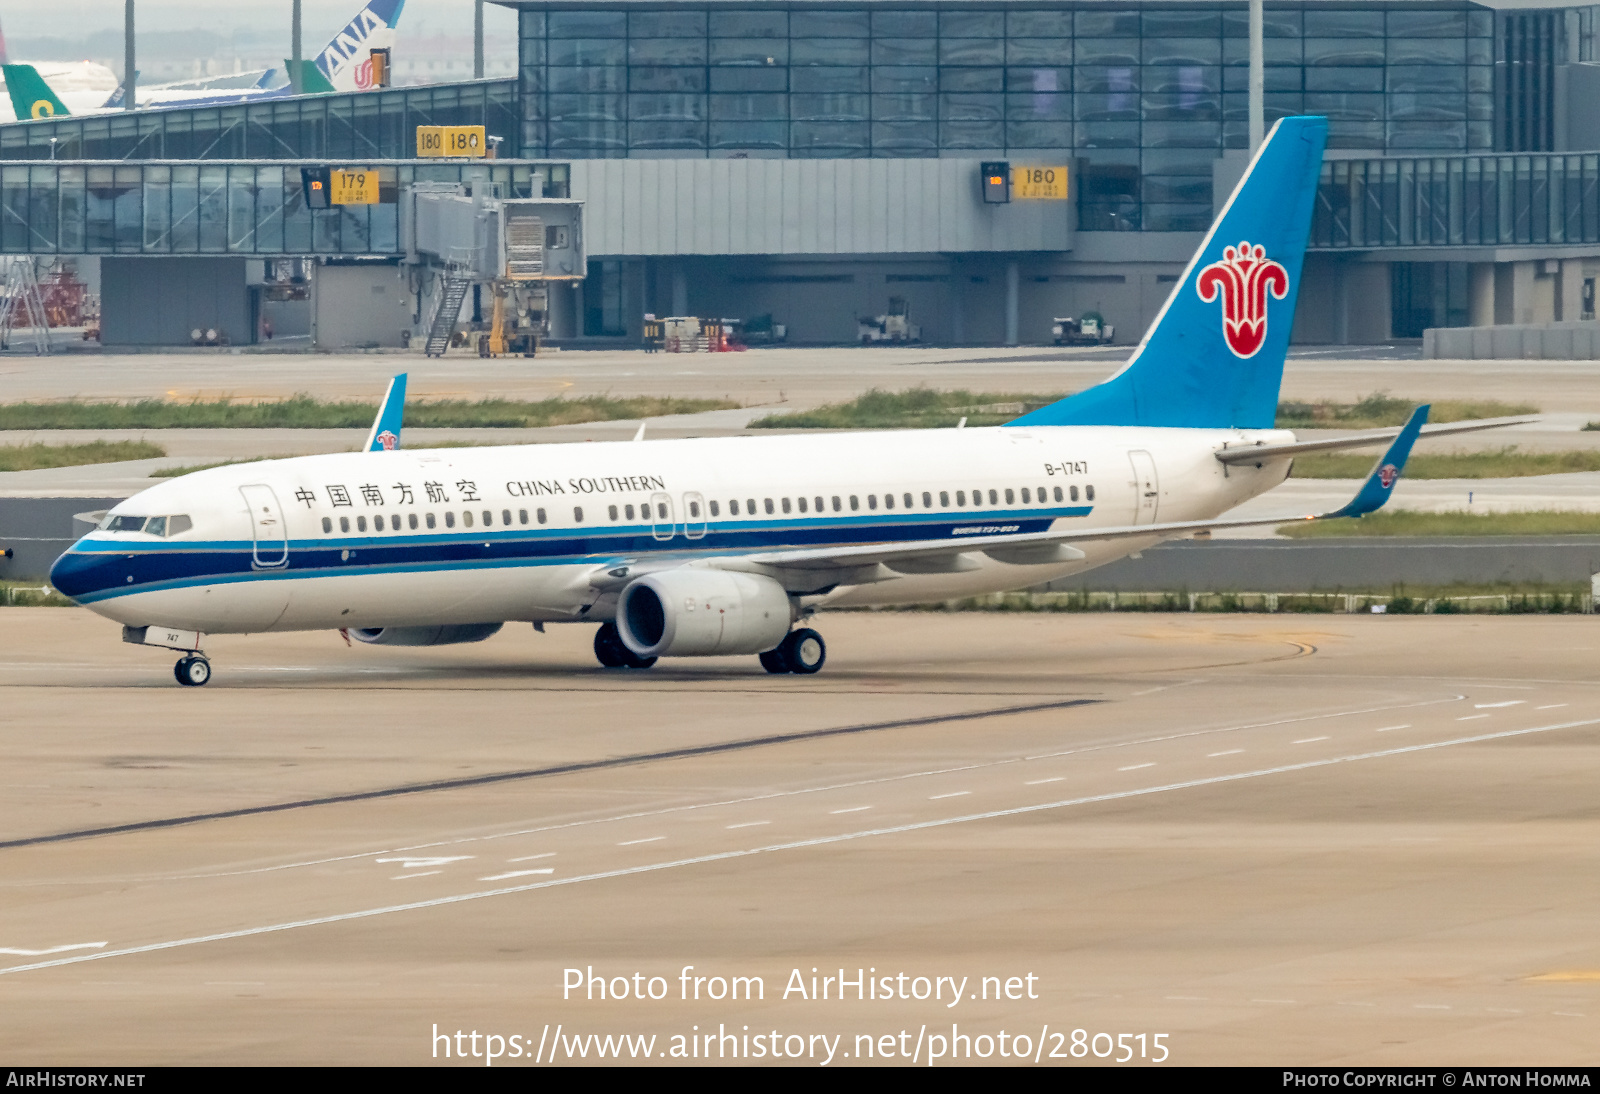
(37, 530)
(1574, 341)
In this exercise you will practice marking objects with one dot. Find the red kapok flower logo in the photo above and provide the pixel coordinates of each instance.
(1242, 279)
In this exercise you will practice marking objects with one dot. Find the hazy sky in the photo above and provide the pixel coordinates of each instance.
(77, 18)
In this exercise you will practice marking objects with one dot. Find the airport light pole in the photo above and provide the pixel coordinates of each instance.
(477, 39)
(1258, 108)
(296, 81)
(129, 76)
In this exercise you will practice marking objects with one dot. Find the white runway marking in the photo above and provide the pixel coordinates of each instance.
(748, 824)
(647, 839)
(1135, 767)
(409, 863)
(1386, 729)
(1506, 703)
(408, 877)
(955, 794)
(1471, 717)
(1312, 740)
(1041, 782)
(1226, 752)
(852, 809)
(1548, 706)
(530, 858)
(819, 841)
(1431, 1006)
(54, 949)
(518, 873)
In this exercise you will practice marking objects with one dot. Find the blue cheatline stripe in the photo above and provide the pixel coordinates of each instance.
(101, 568)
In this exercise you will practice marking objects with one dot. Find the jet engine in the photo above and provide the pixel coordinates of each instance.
(684, 613)
(447, 635)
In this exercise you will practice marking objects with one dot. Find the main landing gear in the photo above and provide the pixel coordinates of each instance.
(803, 652)
(613, 653)
(192, 670)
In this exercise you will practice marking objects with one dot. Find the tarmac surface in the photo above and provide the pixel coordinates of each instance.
(1317, 840)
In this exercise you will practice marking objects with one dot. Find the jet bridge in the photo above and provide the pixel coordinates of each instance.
(461, 235)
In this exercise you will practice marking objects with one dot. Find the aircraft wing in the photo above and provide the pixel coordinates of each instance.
(868, 562)
(1258, 452)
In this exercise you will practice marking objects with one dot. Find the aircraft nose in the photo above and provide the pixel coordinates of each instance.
(79, 574)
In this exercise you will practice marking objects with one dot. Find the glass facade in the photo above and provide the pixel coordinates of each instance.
(1456, 201)
(368, 124)
(221, 207)
(1147, 96)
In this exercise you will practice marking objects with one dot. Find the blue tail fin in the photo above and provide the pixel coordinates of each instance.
(385, 434)
(1214, 356)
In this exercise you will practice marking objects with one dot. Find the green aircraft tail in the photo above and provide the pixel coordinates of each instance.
(312, 81)
(31, 97)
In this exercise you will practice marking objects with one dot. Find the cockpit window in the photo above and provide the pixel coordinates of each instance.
(150, 526)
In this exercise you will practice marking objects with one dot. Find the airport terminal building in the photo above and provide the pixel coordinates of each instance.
(815, 160)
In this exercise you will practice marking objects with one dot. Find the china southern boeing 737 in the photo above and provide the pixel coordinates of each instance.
(729, 545)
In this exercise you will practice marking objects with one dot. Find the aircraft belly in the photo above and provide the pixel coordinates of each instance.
(429, 598)
(232, 608)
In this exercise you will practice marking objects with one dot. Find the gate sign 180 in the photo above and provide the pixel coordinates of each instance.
(450, 140)
(1039, 182)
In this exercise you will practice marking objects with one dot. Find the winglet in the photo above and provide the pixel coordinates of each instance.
(385, 435)
(1386, 472)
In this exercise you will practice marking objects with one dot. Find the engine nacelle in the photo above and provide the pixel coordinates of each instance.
(686, 613)
(446, 635)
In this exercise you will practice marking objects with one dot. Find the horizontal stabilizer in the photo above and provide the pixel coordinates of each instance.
(1257, 453)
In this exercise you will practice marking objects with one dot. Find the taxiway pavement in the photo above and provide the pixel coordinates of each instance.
(1312, 840)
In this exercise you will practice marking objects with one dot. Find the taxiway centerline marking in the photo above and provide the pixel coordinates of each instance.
(818, 841)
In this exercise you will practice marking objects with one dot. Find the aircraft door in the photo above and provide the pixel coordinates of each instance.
(271, 537)
(694, 515)
(661, 521)
(1146, 488)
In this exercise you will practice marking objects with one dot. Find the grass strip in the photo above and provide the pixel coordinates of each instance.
(33, 457)
(304, 412)
(1381, 409)
(1409, 522)
(1504, 463)
(23, 594)
(925, 408)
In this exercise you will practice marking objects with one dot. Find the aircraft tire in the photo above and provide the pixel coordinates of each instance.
(774, 661)
(609, 650)
(192, 672)
(804, 651)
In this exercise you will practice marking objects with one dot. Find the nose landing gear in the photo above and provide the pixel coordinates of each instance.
(802, 652)
(192, 671)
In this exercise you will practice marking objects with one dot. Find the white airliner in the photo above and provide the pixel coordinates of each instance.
(728, 545)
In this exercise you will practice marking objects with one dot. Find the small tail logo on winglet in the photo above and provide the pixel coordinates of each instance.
(389, 441)
(1242, 278)
(1387, 474)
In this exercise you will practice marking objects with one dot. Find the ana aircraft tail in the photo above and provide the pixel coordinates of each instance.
(31, 97)
(346, 61)
(1214, 356)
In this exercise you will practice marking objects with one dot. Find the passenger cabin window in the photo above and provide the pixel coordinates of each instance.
(577, 514)
(961, 497)
(327, 524)
(1088, 493)
(872, 501)
(733, 507)
(994, 497)
(466, 518)
(888, 501)
(819, 504)
(750, 506)
(541, 516)
(431, 521)
(522, 518)
(910, 502)
(488, 518)
(611, 511)
(715, 509)
(768, 502)
(1010, 497)
(344, 524)
(449, 520)
(855, 503)
(1058, 493)
(836, 505)
(801, 502)
(927, 500)
(785, 504)
(694, 509)
(505, 517)
(377, 523)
